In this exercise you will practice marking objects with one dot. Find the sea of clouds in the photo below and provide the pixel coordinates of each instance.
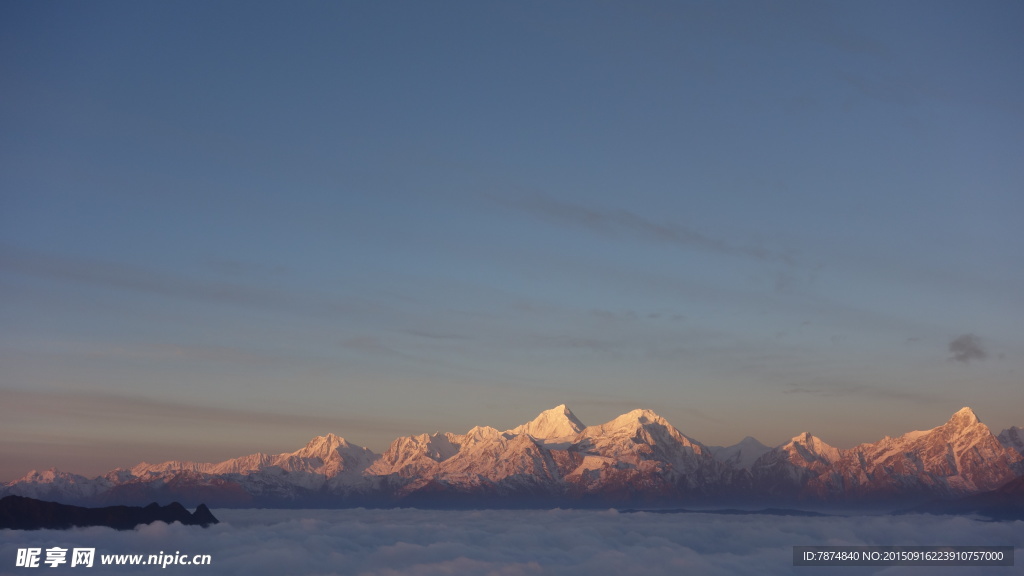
(503, 542)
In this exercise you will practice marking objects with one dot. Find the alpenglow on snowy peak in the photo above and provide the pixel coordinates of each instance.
(638, 458)
(559, 422)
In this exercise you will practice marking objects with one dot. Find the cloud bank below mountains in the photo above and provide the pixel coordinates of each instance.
(564, 542)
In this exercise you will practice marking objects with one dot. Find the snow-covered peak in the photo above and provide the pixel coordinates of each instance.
(809, 448)
(642, 438)
(322, 447)
(412, 455)
(482, 433)
(329, 455)
(963, 418)
(434, 446)
(45, 476)
(644, 415)
(963, 428)
(741, 455)
(803, 438)
(118, 475)
(143, 468)
(630, 421)
(54, 485)
(476, 435)
(558, 422)
(642, 425)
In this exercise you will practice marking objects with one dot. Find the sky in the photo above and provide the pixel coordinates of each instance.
(516, 543)
(228, 227)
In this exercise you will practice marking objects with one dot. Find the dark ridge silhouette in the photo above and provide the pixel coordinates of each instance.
(21, 513)
(203, 516)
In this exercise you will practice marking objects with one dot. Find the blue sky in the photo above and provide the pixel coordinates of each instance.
(226, 227)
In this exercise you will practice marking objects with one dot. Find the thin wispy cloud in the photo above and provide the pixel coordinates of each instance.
(173, 285)
(430, 334)
(596, 345)
(158, 351)
(631, 316)
(373, 346)
(627, 224)
(94, 405)
(134, 278)
(864, 391)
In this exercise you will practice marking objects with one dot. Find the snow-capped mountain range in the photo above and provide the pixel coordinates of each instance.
(636, 459)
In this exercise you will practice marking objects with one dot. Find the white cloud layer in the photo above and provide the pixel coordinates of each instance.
(564, 542)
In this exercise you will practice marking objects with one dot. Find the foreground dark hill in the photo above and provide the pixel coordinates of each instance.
(20, 513)
(635, 460)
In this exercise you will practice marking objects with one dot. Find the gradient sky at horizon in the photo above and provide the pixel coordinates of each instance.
(226, 227)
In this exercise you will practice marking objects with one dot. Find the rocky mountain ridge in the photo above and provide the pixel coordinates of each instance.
(638, 458)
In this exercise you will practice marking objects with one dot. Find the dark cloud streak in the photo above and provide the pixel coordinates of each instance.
(134, 278)
(429, 334)
(864, 391)
(616, 223)
(94, 405)
(965, 348)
